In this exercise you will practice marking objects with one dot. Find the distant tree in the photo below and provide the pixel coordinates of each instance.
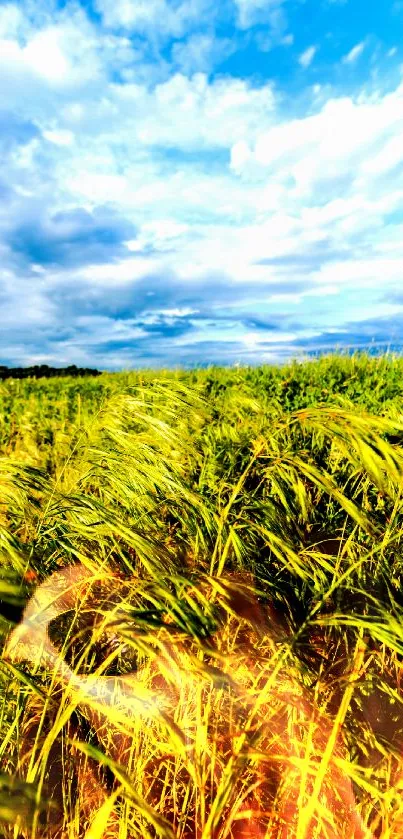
(44, 371)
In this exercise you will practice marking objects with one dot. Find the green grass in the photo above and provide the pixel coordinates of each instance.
(162, 486)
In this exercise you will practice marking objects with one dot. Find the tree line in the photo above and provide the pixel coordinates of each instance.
(39, 371)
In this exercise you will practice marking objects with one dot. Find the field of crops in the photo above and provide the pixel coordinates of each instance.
(214, 648)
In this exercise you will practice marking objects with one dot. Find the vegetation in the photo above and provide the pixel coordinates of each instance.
(226, 662)
(39, 371)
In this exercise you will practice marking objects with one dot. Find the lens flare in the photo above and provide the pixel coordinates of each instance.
(241, 730)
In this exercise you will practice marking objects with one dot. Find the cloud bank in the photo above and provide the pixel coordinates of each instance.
(187, 184)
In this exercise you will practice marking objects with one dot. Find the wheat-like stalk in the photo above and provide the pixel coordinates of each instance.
(280, 722)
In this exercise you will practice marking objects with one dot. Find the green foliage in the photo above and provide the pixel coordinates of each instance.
(292, 474)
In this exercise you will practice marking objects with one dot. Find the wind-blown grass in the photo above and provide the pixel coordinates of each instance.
(270, 710)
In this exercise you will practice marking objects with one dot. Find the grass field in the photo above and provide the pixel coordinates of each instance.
(222, 656)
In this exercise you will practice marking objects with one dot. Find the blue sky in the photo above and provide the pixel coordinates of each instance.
(188, 182)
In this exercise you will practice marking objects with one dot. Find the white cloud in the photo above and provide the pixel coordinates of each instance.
(60, 137)
(255, 339)
(262, 11)
(288, 40)
(178, 313)
(342, 140)
(386, 159)
(362, 274)
(391, 52)
(354, 53)
(11, 21)
(99, 187)
(24, 159)
(200, 52)
(46, 57)
(58, 57)
(134, 14)
(164, 229)
(306, 58)
(208, 117)
(160, 234)
(159, 17)
(126, 271)
(240, 154)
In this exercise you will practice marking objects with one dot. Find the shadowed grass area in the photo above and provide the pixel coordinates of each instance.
(222, 656)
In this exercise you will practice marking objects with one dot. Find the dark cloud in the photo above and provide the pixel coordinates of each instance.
(143, 354)
(261, 323)
(377, 332)
(72, 238)
(167, 327)
(211, 297)
(92, 340)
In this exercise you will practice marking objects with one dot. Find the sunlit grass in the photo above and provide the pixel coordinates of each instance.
(232, 659)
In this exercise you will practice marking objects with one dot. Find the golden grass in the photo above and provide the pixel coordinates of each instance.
(225, 724)
(153, 699)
